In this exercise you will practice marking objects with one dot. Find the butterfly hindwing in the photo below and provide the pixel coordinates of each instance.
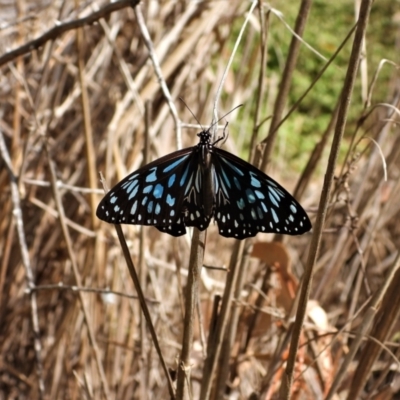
(248, 201)
(193, 203)
(155, 194)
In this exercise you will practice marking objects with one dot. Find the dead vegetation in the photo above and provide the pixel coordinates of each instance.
(84, 95)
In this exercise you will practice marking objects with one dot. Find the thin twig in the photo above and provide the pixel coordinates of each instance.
(67, 26)
(261, 79)
(77, 275)
(313, 83)
(191, 299)
(367, 319)
(157, 70)
(30, 280)
(142, 300)
(62, 185)
(88, 130)
(228, 65)
(215, 342)
(75, 288)
(78, 227)
(286, 80)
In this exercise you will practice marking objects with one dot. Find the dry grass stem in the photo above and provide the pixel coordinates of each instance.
(88, 311)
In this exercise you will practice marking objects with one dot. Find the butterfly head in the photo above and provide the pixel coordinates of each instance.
(205, 138)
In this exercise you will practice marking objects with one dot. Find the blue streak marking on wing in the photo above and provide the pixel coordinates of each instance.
(189, 185)
(148, 189)
(254, 181)
(170, 200)
(259, 194)
(171, 180)
(228, 183)
(134, 207)
(279, 192)
(221, 182)
(158, 191)
(175, 163)
(250, 196)
(129, 186)
(233, 166)
(274, 215)
(241, 204)
(216, 183)
(264, 207)
(129, 181)
(198, 180)
(275, 194)
(133, 194)
(184, 176)
(273, 200)
(272, 183)
(152, 177)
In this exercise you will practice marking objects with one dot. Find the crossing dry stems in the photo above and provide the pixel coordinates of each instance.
(74, 85)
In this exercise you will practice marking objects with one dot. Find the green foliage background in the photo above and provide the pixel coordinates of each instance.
(328, 25)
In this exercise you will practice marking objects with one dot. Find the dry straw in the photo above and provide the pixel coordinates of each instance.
(95, 86)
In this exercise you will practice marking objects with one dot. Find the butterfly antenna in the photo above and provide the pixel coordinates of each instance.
(226, 125)
(214, 123)
(229, 112)
(224, 136)
(183, 101)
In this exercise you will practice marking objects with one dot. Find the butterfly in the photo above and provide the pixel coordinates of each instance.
(191, 186)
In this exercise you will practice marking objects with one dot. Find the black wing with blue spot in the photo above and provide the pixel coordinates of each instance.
(166, 193)
(247, 201)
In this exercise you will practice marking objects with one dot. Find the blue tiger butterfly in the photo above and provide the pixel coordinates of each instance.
(189, 187)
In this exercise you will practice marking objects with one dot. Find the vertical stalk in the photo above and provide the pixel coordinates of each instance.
(287, 378)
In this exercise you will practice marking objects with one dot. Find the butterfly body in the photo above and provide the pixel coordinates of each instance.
(189, 187)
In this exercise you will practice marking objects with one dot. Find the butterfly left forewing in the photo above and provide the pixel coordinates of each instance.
(152, 195)
(249, 201)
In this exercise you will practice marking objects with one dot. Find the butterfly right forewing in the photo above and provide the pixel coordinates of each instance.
(249, 201)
